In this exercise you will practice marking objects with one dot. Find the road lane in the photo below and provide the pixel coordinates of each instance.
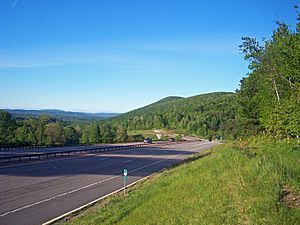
(35, 193)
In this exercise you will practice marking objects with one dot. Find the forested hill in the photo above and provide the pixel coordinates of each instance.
(59, 114)
(206, 114)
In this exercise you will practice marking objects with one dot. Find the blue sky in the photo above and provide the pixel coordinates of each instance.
(118, 55)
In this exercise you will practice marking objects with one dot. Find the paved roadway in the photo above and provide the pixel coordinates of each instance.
(33, 193)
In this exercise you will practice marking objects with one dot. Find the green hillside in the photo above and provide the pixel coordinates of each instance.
(206, 114)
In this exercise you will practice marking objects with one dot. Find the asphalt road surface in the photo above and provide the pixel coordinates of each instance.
(34, 193)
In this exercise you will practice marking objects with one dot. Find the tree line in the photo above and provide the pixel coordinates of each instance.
(45, 130)
(269, 97)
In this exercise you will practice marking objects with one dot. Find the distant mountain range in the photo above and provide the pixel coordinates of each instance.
(59, 114)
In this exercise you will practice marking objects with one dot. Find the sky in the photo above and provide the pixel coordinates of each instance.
(118, 55)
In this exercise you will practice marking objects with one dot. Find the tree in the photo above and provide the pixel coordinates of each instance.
(37, 129)
(22, 135)
(108, 135)
(54, 133)
(84, 139)
(71, 136)
(7, 128)
(271, 92)
(121, 134)
(94, 133)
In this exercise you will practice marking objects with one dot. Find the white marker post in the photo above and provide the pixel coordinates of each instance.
(125, 179)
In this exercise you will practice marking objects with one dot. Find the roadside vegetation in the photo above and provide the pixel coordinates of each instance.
(255, 182)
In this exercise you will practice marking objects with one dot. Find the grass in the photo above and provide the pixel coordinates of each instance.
(256, 182)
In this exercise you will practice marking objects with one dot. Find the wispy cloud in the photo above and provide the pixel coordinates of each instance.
(13, 5)
(8, 11)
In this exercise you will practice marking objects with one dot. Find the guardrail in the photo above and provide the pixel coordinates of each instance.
(46, 155)
(21, 147)
(39, 156)
(4, 148)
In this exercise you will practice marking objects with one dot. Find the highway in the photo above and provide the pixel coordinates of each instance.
(36, 192)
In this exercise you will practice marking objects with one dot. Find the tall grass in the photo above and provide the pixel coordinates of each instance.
(237, 184)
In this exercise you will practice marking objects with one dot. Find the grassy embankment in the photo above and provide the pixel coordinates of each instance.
(243, 183)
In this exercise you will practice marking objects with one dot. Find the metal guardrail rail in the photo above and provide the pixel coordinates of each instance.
(47, 155)
(39, 156)
(5, 148)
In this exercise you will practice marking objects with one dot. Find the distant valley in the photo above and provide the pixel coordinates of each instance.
(59, 114)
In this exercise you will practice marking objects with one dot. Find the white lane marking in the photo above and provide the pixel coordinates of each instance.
(93, 202)
(85, 187)
(57, 196)
(102, 159)
(128, 161)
